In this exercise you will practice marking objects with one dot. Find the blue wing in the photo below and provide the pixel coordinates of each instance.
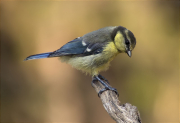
(74, 47)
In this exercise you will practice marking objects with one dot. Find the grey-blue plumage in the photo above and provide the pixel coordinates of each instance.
(74, 47)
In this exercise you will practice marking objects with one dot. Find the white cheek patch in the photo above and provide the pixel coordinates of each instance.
(83, 43)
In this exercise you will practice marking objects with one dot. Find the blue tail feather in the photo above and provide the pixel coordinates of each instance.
(38, 56)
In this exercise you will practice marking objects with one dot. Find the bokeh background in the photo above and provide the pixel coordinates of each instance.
(47, 90)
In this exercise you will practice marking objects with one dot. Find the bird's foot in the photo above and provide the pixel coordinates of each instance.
(107, 88)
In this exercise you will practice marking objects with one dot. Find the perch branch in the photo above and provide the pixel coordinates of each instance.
(125, 113)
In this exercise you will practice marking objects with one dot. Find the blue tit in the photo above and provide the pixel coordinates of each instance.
(93, 52)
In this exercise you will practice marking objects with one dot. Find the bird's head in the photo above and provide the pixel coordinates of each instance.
(124, 40)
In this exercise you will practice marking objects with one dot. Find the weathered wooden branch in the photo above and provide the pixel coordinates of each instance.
(125, 113)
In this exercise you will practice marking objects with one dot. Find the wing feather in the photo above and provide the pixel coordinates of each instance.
(76, 47)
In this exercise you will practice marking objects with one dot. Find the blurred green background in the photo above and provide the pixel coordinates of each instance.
(47, 90)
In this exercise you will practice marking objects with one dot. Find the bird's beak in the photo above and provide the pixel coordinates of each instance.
(129, 53)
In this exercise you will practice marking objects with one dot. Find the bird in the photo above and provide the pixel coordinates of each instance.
(93, 52)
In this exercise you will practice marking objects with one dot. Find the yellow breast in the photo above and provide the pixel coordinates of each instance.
(108, 54)
(93, 64)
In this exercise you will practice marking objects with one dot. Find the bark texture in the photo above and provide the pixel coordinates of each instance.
(125, 113)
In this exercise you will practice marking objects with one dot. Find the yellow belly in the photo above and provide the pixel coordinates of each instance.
(93, 64)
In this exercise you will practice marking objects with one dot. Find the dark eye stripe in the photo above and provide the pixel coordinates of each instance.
(133, 39)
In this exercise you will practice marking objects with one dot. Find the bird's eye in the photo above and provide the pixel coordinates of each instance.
(127, 42)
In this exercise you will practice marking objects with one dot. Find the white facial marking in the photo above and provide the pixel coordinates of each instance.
(83, 43)
(88, 49)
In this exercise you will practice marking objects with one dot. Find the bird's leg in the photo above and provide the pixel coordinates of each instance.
(103, 78)
(107, 87)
